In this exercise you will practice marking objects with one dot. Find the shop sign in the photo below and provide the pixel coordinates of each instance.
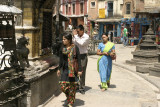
(102, 13)
(142, 20)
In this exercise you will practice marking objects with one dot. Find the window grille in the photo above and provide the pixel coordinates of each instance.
(128, 8)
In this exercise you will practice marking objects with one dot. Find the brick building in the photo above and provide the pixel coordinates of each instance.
(76, 10)
(92, 10)
(128, 8)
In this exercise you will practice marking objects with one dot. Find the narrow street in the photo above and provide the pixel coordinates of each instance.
(126, 90)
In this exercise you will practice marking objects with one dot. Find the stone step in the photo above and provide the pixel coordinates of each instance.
(145, 60)
(143, 68)
(157, 64)
(146, 54)
(146, 51)
(154, 71)
(148, 48)
(149, 51)
(140, 59)
(137, 62)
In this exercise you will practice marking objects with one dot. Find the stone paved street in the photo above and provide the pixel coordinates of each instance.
(126, 90)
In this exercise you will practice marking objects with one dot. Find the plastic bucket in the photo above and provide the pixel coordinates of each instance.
(132, 42)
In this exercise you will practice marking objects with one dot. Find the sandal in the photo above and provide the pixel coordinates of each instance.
(70, 105)
(103, 89)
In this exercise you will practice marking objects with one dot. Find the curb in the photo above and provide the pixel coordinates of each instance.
(138, 74)
(57, 92)
(142, 76)
(151, 84)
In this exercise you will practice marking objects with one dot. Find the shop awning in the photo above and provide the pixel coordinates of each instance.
(108, 20)
(61, 17)
(9, 9)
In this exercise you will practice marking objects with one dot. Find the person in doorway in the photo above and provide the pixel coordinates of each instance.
(106, 51)
(129, 32)
(70, 26)
(69, 76)
(111, 36)
(125, 36)
(81, 39)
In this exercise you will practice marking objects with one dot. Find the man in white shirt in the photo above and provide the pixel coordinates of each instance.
(81, 39)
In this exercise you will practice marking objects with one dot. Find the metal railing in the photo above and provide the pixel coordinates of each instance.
(93, 46)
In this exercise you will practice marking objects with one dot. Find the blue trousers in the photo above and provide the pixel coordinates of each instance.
(125, 41)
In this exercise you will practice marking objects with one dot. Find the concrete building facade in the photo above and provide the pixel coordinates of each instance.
(113, 8)
(110, 14)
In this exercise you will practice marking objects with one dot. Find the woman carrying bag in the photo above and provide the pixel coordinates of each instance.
(69, 53)
(106, 50)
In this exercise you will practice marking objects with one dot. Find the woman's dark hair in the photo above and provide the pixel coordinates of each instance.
(68, 36)
(105, 34)
(80, 27)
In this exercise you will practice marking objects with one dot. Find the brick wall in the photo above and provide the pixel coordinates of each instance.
(132, 9)
(92, 12)
(139, 5)
(77, 7)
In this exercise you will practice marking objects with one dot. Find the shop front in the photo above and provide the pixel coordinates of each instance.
(136, 28)
(109, 26)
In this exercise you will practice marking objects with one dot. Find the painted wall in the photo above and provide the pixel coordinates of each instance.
(117, 6)
(77, 7)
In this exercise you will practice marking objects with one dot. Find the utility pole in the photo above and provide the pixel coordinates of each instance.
(57, 20)
(58, 39)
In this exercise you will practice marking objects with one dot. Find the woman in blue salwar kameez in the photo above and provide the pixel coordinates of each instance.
(106, 50)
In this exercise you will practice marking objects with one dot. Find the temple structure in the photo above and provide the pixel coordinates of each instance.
(146, 53)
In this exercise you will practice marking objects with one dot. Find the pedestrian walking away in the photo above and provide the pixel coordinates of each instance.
(106, 50)
(81, 39)
(67, 73)
(125, 36)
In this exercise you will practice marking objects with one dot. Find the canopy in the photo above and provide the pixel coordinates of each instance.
(61, 17)
(108, 20)
(9, 9)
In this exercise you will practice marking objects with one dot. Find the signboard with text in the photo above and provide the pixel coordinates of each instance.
(102, 13)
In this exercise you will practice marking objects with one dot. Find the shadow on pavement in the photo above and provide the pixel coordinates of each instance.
(99, 86)
(78, 102)
(64, 103)
(87, 88)
(111, 86)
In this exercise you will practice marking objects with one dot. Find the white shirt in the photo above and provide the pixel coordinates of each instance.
(82, 43)
(70, 26)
